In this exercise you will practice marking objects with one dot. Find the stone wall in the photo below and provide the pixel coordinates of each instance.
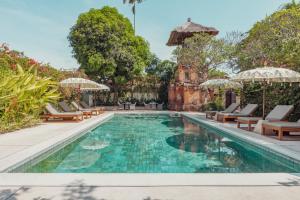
(185, 94)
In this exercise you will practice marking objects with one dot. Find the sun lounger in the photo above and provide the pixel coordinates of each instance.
(245, 112)
(281, 127)
(279, 113)
(65, 107)
(230, 109)
(80, 108)
(86, 106)
(52, 113)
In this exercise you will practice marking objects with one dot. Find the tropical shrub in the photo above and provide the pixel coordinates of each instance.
(10, 58)
(23, 96)
(203, 51)
(274, 41)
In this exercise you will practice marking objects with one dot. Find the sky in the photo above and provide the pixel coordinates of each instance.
(39, 28)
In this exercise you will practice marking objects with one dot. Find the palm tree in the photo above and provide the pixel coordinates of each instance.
(133, 2)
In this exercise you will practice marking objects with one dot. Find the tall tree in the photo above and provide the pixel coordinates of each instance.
(133, 2)
(105, 46)
(202, 51)
(273, 41)
(164, 72)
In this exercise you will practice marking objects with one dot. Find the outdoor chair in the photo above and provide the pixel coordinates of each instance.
(80, 108)
(53, 113)
(279, 113)
(65, 107)
(120, 106)
(86, 106)
(245, 112)
(160, 106)
(153, 105)
(230, 109)
(132, 106)
(147, 106)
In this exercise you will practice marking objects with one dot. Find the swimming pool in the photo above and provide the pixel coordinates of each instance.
(155, 143)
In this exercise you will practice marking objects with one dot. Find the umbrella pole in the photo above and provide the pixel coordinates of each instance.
(79, 94)
(264, 99)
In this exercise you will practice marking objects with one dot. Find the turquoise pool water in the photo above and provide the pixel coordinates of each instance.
(155, 144)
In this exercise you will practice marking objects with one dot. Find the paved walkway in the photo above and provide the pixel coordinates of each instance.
(150, 186)
(150, 193)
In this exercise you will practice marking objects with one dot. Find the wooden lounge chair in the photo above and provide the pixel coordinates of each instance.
(65, 107)
(52, 113)
(230, 109)
(80, 108)
(86, 106)
(281, 127)
(279, 113)
(245, 112)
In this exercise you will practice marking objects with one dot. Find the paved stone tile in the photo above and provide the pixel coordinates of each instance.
(8, 192)
(159, 193)
(6, 150)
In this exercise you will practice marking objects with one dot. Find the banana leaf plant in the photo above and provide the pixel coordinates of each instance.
(23, 97)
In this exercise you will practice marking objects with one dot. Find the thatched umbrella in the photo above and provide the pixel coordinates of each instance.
(188, 30)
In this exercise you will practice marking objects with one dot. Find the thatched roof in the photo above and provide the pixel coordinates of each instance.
(188, 30)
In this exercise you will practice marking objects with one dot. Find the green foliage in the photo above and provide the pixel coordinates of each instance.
(133, 2)
(22, 98)
(276, 94)
(215, 73)
(274, 41)
(292, 4)
(203, 51)
(104, 44)
(216, 105)
(164, 72)
(9, 59)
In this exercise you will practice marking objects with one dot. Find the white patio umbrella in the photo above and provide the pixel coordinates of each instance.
(267, 75)
(221, 83)
(83, 84)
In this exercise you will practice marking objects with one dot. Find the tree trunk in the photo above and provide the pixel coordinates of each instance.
(116, 93)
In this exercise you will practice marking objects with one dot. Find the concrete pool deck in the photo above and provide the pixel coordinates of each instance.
(16, 146)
